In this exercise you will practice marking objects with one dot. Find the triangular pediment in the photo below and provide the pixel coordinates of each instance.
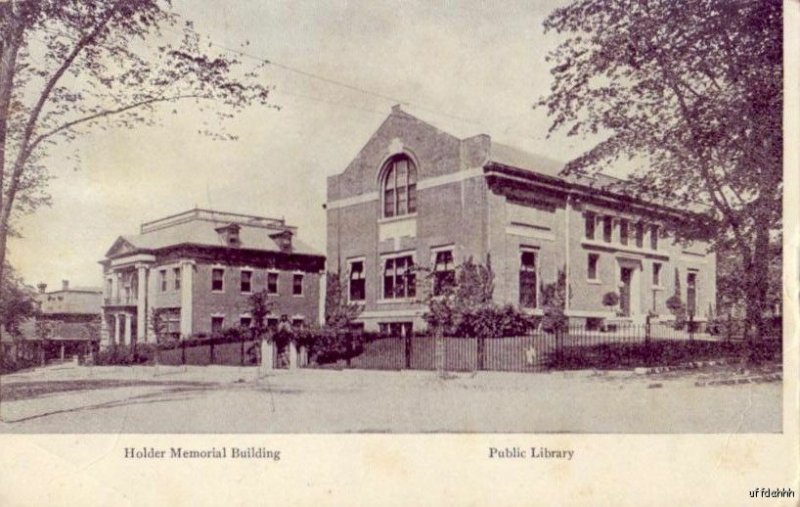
(121, 247)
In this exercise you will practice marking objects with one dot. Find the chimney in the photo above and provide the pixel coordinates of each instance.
(284, 240)
(64, 284)
(42, 287)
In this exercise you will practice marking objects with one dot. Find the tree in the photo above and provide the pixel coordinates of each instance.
(70, 65)
(340, 313)
(260, 307)
(693, 92)
(17, 303)
(554, 303)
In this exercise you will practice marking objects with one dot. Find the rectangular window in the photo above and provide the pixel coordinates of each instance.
(399, 280)
(654, 237)
(162, 280)
(272, 283)
(590, 219)
(444, 272)
(176, 274)
(608, 227)
(527, 279)
(297, 323)
(639, 234)
(623, 231)
(656, 274)
(297, 284)
(245, 321)
(245, 281)
(272, 323)
(592, 266)
(216, 324)
(217, 279)
(357, 281)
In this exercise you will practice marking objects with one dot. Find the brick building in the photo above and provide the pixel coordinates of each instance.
(197, 271)
(418, 196)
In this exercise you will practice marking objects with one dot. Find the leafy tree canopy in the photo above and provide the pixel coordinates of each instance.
(71, 65)
(693, 92)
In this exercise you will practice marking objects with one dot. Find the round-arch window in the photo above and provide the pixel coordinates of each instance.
(400, 188)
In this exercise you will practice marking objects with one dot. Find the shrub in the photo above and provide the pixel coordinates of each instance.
(126, 355)
(610, 299)
(494, 321)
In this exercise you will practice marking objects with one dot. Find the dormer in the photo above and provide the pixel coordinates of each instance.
(229, 234)
(283, 239)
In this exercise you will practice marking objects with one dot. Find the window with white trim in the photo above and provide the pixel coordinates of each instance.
(176, 278)
(272, 283)
(399, 279)
(162, 280)
(608, 228)
(297, 284)
(590, 220)
(528, 279)
(357, 281)
(591, 266)
(656, 274)
(218, 280)
(623, 231)
(444, 271)
(246, 281)
(399, 188)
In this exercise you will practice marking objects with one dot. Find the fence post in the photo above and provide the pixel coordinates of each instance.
(349, 339)
(647, 329)
(183, 352)
(241, 350)
(481, 352)
(211, 351)
(407, 341)
(691, 326)
(439, 350)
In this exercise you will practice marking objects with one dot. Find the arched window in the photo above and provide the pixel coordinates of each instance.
(400, 188)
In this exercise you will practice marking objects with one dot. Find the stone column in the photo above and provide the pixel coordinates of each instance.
(128, 321)
(118, 329)
(293, 355)
(187, 272)
(141, 303)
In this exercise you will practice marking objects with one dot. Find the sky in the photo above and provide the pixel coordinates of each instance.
(468, 66)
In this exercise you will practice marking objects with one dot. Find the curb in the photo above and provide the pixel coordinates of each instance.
(746, 380)
(642, 370)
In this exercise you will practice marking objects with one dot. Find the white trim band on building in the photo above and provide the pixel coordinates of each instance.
(436, 181)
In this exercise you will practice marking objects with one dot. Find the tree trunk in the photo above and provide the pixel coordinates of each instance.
(757, 284)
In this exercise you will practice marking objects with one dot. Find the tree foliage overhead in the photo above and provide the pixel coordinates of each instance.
(693, 91)
(71, 65)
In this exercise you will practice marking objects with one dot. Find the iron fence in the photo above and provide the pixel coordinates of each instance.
(654, 343)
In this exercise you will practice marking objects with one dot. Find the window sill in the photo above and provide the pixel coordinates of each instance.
(298, 295)
(594, 281)
(396, 301)
(399, 218)
(533, 311)
(217, 291)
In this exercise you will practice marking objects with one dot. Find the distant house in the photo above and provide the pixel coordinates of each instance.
(67, 324)
(197, 270)
(417, 196)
